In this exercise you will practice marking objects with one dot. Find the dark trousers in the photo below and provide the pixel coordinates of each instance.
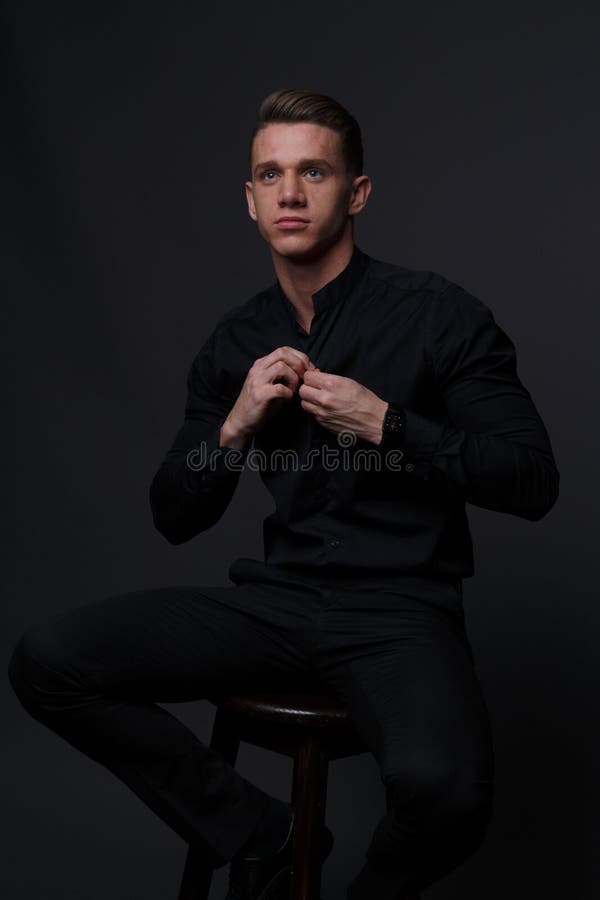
(399, 661)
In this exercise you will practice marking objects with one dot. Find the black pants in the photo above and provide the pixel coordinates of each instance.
(400, 662)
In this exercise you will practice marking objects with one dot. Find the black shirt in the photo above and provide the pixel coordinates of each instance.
(421, 343)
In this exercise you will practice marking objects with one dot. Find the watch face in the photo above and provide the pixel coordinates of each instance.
(393, 422)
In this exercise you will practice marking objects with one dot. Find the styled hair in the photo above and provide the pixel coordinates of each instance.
(289, 106)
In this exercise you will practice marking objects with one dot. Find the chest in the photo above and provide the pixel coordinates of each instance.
(381, 345)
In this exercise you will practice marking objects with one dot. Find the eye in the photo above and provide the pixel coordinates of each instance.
(268, 175)
(313, 173)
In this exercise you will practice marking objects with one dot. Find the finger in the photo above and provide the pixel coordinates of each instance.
(313, 394)
(282, 372)
(315, 376)
(278, 391)
(292, 364)
(313, 408)
(294, 358)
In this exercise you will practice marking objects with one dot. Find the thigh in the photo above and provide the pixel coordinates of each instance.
(170, 644)
(408, 680)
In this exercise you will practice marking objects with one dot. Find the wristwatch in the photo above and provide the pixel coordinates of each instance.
(394, 425)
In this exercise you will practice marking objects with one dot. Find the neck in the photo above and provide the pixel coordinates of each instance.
(300, 279)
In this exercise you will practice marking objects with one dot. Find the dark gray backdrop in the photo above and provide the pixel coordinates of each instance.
(125, 237)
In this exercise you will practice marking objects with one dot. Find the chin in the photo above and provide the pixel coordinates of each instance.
(293, 249)
(299, 250)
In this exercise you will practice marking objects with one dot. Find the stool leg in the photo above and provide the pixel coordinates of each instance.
(309, 794)
(195, 883)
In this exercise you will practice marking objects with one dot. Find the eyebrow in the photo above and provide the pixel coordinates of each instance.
(302, 164)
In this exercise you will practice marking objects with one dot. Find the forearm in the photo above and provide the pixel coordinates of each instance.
(195, 484)
(514, 474)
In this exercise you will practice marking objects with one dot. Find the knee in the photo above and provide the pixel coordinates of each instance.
(441, 796)
(37, 667)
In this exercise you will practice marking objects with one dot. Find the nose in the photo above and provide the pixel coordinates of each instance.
(290, 190)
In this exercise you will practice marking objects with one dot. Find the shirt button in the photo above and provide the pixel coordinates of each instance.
(334, 543)
(409, 467)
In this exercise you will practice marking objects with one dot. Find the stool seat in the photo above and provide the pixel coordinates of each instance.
(309, 710)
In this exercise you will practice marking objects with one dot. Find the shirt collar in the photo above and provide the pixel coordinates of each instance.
(335, 290)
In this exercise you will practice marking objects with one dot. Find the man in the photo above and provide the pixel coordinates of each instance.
(379, 400)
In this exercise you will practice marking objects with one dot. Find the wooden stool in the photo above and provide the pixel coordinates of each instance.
(310, 728)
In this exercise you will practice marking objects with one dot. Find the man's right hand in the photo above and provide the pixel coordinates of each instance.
(271, 381)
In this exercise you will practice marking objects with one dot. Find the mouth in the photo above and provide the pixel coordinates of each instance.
(291, 222)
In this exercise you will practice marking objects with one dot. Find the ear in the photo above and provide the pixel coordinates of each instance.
(361, 188)
(250, 200)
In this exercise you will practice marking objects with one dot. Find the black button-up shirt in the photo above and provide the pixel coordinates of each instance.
(348, 511)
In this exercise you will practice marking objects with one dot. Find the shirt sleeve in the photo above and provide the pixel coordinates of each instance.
(493, 449)
(197, 479)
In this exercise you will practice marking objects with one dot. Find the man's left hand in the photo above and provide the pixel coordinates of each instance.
(342, 404)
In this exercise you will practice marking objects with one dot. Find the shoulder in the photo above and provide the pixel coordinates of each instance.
(400, 278)
(441, 296)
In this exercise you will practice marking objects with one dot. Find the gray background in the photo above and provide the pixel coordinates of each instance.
(125, 237)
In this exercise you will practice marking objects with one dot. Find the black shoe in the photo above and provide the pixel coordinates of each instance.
(268, 878)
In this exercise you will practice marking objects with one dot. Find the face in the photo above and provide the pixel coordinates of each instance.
(301, 196)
